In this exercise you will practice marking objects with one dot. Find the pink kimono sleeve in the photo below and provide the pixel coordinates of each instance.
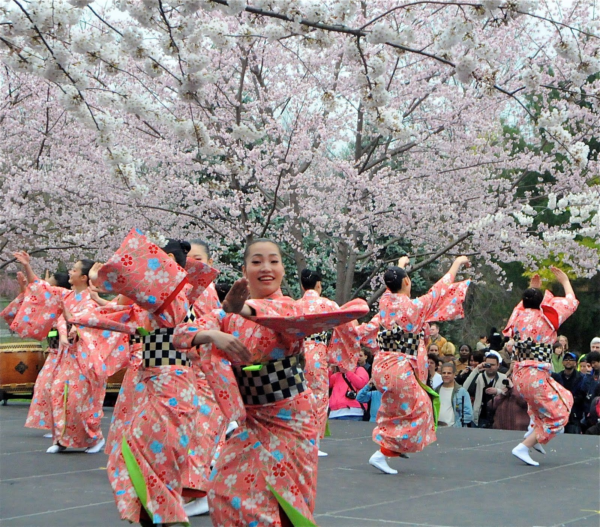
(344, 346)
(509, 330)
(214, 364)
(111, 317)
(10, 311)
(444, 301)
(564, 306)
(367, 333)
(42, 304)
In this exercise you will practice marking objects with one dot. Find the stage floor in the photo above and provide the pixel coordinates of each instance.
(467, 478)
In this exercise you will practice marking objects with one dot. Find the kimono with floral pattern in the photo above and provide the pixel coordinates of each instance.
(405, 421)
(316, 355)
(79, 381)
(209, 430)
(40, 409)
(548, 403)
(275, 443)
(159, 424)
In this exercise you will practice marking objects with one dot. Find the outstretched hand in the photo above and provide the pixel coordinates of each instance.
(236, 297)
(93, 274)
(536, 281)
(403, 261)
(463, 260)
(561, 276)
(22, 257)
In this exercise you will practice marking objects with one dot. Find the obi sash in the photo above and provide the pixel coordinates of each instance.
(396, 339)
(275, 381)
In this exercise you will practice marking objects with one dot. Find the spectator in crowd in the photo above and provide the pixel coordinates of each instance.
(595, 344)
(583, 365)
(455, 403)
(565, 342)
(557, 357)
(433, 349)
(448, 352)
(435, 337)
(593, 418)
(434, 379)
(474, 360)
(372, 396)
(507, 352)
(483, 384)
(464, 354)
(589, 383)
(570, 379)
(509, 409)
(364, 360)
(496, 340)
(482, 343)
(344, 386)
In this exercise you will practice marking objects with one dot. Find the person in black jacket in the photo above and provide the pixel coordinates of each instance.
(570, 378)
(589, 383)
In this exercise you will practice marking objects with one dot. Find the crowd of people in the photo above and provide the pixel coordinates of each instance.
(226, 399)
(477, 385)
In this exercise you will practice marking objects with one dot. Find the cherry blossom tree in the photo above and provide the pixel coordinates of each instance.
(345, 129)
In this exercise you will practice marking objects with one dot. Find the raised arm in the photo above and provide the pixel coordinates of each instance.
(457, 264)
(23, 258)
(563, 279)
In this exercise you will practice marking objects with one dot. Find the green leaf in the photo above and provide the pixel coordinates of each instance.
(135, 475)
(296, 517)
(435, 400)
(327, 430)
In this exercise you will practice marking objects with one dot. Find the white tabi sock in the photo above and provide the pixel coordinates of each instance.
(539, 448)
(378, 461)
(197, 507)
(96, 448)
(55, 449)
(522, 452)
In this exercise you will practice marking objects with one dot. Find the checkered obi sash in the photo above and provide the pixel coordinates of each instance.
(275, 381)
(529, 350)
(396, 339)
(53, 340)
(158, 349)
(321, 338)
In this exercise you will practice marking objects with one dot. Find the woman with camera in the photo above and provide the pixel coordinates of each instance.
(344, 387)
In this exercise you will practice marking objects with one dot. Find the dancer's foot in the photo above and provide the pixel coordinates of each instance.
(378, 461)
(539, 448)
(323, 454)
(96, 448)
(522, 452)
(55, 449)
(48, 435)
(197, 507)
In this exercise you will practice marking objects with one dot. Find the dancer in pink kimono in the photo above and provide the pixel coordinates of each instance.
(258, 381)
(40, 409)
(533, 325)
(405, 420)
(149, 468)
(79, 382)
(315, 347)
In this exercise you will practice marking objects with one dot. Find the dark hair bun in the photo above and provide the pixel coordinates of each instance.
(186, 246)
(393, 278)
(309, 278)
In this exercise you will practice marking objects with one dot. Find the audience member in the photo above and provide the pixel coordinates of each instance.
(565, 342)
(435, 337)
(364, 360)
(344, 386)
(455, 404)
(594, 415)
(570, 378)
(433, 349)
(371, 396)
(464, 354)
(589, 383)
(583, 365)
(484, 384)
(595, 344)
(448, 352)
(557, 357)
(434, 379)
(507, 352)
(474, 360)
(482, 343)
(509, 410)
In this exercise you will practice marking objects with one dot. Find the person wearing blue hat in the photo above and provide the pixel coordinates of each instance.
(570, 378)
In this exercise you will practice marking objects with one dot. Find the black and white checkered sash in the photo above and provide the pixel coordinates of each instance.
(158, 349)
(275, 381)
(529, 350)
(321, 338)
(396, 339)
